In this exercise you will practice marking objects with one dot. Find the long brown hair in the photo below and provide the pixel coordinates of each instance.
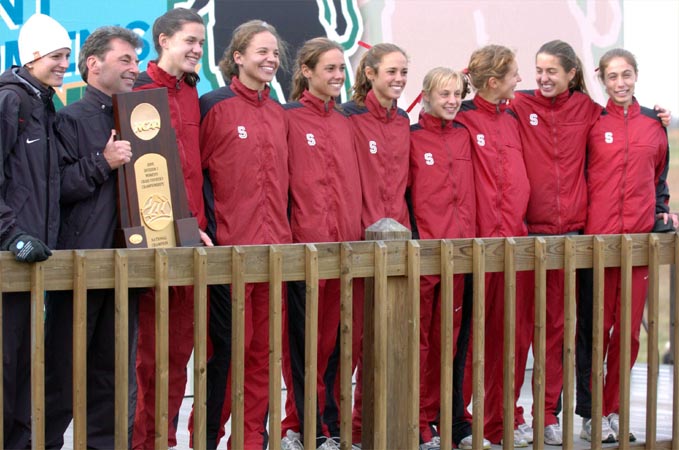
(168, 24)
(309, 55)
(568, 60)
(372, 58)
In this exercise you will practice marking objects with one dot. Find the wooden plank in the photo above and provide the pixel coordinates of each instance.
(100, 273)
(413, 415)
(446, 408)
(37, 355)
(310, 346)
(675, 351)
(200, 348)
(652, 354)
(79, 351)
(509, 360)
(275, 344)
(237, 346)
(625, 337)
(122, 361)
(381, 333)
(597, 338)
(161, 313)
(539, 340)
(346, 341)
(570, 318)
(478, 342)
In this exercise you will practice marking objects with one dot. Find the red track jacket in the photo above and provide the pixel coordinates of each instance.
(554, 136)
(441, 179)
(325, 187)
(243, 146)
(502, 188)
(626, 171)
(185, 117)
(382, 143)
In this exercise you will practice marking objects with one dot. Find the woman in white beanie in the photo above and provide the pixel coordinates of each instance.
(29, 196)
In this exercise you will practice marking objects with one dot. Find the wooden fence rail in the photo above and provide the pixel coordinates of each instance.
(382, 261)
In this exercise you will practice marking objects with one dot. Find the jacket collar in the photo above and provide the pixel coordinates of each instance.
(256, 98)
(436, 124)
(32, 85)
(380, 112)
(163, 78)
(616, 110)
(553, 102)
(488, 107)
(316, 104)
(97, 98)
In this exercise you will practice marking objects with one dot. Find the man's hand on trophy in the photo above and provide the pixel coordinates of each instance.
(117, 152)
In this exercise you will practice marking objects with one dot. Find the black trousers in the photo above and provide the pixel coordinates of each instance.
(296, 310)
(16, 361)
(100, 366)
(219, 363)
(583, 344)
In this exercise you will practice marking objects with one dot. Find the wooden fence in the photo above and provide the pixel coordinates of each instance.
(384, 261)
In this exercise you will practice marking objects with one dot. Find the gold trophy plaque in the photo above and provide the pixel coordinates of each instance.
(152, 205)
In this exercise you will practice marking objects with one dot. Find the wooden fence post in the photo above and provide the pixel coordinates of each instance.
(122, 356)
(569, 339)
(199, 347)
(386, 311)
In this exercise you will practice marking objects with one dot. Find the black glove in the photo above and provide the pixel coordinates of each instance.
(27, 248)
(662, 227)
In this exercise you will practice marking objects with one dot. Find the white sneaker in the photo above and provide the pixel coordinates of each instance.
(292, 441)
(329, 444)
(607, 433)
(434, 444)
(526, 432)
(614, 421)
(553, 434)
(466, 443)
(519, 440)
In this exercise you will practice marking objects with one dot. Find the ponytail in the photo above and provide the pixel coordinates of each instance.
(309, 55)
(372, 58)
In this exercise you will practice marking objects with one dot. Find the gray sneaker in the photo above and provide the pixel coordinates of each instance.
(292, 441)
(607, 433)
(553, 434)
(519, 440)
(329, 444)
(466, 443)
(614, 421)
(434, 444)
(526, 432)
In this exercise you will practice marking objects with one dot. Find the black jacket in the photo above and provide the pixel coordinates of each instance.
(29, 171)
(88, 186)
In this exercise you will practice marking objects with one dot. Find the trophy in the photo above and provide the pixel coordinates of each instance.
(152, 205)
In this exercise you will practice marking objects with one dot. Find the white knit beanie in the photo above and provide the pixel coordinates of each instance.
(39, 36)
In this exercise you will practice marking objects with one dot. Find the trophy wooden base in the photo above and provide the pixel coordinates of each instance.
(186, 232)
(130, 237)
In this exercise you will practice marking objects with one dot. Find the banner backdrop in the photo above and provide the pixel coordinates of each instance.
(432, 32)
